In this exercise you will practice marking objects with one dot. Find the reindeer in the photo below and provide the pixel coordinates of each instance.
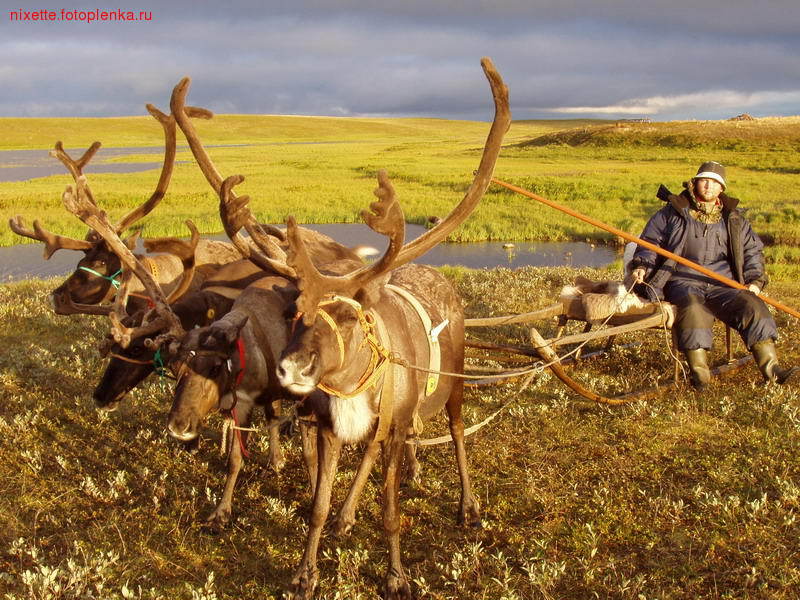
(130, 366)
(95, 278)
(207, 361)
(357, 337)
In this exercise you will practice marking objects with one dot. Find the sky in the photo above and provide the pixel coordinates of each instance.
(611, 59)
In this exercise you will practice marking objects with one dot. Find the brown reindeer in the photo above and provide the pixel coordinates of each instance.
(231, 364)
(357, 339)
(95, 278)
(228, 365)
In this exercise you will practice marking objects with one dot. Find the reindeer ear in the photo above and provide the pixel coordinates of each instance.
(130, 242)
(227, 330)
(369, 295)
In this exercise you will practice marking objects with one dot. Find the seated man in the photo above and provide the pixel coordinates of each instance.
(703, 225)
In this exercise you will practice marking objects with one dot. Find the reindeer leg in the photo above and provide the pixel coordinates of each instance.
(308, 437)
(305, 579)
(347, 514)
(396, 585)
(221, 515)
(276, 458)
(412, 466)
(469, 509)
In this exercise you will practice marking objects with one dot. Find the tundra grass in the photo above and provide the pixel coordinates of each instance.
(323, 170)
(684, 496)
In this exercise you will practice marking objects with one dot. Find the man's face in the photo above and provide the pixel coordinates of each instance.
(707, 189)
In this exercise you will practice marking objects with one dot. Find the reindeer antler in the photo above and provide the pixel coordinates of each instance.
(234, 211)
(483, 176)
(314, 285)
(170, 148)
(235, 214)
(52, 241)
(78, 202)
(75, 167)
(386, 218)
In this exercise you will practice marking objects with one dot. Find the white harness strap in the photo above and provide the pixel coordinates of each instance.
(432, 333)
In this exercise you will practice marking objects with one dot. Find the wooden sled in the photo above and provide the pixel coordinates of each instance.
(598, 325)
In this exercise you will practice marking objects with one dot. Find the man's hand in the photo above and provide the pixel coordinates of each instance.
(754, 288)
(638, 274)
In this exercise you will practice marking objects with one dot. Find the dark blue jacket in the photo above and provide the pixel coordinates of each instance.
(667, 229)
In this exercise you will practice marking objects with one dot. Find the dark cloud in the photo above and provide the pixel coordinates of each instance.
(412, 58)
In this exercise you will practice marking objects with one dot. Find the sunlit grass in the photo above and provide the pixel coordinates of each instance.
(684, 496)
(611, 176)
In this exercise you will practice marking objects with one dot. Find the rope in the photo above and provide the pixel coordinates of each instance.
(112, 278)
(229, 426)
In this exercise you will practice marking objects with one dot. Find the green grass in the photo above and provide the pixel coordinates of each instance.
(684, 496)
(610, 173)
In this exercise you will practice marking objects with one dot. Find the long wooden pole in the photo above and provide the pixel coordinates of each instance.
(641, 242)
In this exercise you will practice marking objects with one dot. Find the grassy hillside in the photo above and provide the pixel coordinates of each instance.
(684, 496)
(608, 171)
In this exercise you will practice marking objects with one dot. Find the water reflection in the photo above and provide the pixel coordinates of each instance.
(25, 260)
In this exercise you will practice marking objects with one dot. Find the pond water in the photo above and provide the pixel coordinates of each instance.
(25, 260)
(21, 165)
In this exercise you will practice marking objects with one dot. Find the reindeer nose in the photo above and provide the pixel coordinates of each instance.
(281, 371)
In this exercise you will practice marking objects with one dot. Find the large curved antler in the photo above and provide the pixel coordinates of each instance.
(75, 167)
(234, 211)
(78, 201)
(235, 214)
(314, 285)
(170, 148)
(483, 176)
(52, 241)
(385, 217)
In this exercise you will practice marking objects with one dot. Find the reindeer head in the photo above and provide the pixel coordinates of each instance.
(94, 278)
(207, 367)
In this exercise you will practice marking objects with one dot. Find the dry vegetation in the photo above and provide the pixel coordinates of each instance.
(682, 497)
(686, 496)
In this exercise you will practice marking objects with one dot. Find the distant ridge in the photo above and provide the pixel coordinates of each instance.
(729, 133)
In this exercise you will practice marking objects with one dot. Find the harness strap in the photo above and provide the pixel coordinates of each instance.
(242, 361)
(153, 266)
(112, 278)
(386, 395)
(432, 335)
(379, 359)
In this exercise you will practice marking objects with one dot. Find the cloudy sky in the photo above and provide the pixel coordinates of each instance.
(560, 58)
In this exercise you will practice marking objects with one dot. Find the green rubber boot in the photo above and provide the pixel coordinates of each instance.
(699, 373)
(767, 360)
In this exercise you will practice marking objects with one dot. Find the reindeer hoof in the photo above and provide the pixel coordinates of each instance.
(397, 588)
(192, 446)
(218, 520)
(470, 515)
(108, 408)
(302, 587)
(342, 526)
